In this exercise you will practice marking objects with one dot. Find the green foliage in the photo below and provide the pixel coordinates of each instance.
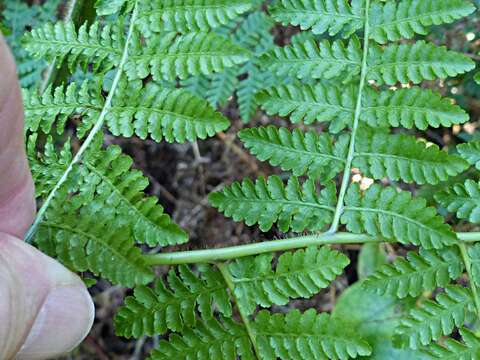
(402, 20)
(419, 272)
(158, 69)
(462, 199)
(471, 152)
(333, 16)
(154, 311)
(389, 214)
(306, 336)
(403, 157)
(146, 111)
(301, 274)
(211, 339)
(100, 213)
(434, 319)
(415, 62)
(17, 17)
(182, 16)
(451, 349)
(294, 206)
(302, 153)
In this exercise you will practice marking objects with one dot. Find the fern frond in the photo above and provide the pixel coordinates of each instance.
(248, 89)
(55, 107)
(294, 206)
(299, 274)
(451, 349)
(100, 45)
(183, 16)
(310, 103)
(434, 319)
(154, 311)
(309, 59)
(334, 16)
(393, 21)
(419, 272)
(408, 108)
(105, 182)
(462, 199)
(210, 339)
(415, 62)
(172, 55)
(297, 336)
(403, 157)
(395, 215)
(302, 153)
(471, 152)
(89, 239)
(173, 114)
(474, 253)
(222, 86)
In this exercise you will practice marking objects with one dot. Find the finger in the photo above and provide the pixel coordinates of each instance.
(45, 310)
(17, 205)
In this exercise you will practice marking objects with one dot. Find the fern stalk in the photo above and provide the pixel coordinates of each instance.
(231, 286)
(233, 252)
(356, 120)
(468, 266)
(98, 126)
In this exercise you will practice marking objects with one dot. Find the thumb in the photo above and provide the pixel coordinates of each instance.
(45, 310)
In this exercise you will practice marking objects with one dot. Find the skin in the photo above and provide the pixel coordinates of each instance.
(45, 310)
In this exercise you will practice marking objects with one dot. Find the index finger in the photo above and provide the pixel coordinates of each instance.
(17, 204)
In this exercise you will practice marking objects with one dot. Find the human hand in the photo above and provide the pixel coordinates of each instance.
(45, 310)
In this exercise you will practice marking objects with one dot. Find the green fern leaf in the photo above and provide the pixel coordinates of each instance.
(471, 152)
(101, 46)
(154, 311)
(462, 199)
(393, 215)
(297, 336)
(474, 253)
(393, 21)
(222, 86)
(106, 182)
(183, 16)
(248, 89)
(419, 272)
(173, 114)
(309, 59)
(451, 349)
(294, 206)
(333, 16)
(307, 103)
(299, 274)
(415, 62)
(173, 55)
(211, 339)
(408, 108)
(87, 238)
(403, 157)
(434, 319)
(302, 153)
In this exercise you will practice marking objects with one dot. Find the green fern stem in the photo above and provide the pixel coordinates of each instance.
(234, 252)
(358, 110)
(468, 267)
(98, 126)
(231, 286)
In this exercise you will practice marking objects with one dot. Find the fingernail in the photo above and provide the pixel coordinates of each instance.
(63, 322)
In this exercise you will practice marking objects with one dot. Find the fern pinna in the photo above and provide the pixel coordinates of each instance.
(355, 68)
